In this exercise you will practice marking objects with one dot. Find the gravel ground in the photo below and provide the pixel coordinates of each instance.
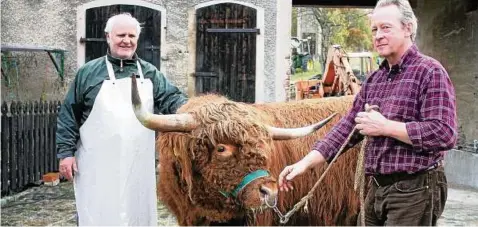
(461, 208)
(55, 206)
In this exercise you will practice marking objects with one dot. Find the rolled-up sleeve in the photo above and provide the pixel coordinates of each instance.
(437, 128)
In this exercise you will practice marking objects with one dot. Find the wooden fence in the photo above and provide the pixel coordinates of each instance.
(28, 143)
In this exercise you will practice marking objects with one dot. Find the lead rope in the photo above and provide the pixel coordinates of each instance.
(360, 171)
(359, 179)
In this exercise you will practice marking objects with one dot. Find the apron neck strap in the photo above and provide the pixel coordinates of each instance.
(111, 72)
(140, 71)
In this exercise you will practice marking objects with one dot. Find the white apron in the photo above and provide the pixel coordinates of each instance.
(116, 183)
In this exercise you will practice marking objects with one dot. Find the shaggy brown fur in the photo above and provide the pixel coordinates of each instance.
(192, 172)
(335, 202)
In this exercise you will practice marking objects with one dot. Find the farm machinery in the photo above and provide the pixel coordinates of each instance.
(343, 75)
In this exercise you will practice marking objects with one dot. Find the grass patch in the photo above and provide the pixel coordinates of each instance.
(299, 75)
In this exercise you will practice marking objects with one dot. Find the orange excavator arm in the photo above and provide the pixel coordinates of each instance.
(338, 74)
(338, 78)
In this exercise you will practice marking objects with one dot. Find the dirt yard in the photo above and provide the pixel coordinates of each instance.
(55, 206)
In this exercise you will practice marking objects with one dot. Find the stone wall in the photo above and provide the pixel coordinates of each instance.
(54, 23)
(459, 168)
(448, 31)
(40, 23)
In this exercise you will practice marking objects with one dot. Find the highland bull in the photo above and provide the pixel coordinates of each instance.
(219, 161)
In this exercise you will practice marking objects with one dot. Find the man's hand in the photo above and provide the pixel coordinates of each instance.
(67, 166)
(372, 123)
(289, 173)
(310, 160)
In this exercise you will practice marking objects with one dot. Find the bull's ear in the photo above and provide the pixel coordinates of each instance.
(177, 146)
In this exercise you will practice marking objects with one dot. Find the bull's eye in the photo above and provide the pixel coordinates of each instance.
(221, 149)
(225, 151)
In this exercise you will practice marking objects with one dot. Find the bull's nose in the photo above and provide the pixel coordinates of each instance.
(270, 194)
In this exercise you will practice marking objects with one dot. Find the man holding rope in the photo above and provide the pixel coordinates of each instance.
(409, 134)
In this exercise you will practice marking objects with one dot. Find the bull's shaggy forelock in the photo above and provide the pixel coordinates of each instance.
(229, 122)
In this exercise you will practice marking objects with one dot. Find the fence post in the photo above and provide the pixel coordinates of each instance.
(5, 148)
(42, 138)
(29, 141)
(33, 148)
(21, 147)
(51, 130)
(37, 136)
(14, 154)
(46, 116)
(57, 111)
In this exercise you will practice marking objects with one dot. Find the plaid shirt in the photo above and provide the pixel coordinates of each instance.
(418, 92)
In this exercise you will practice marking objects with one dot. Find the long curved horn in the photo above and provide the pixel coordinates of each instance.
(162, 123)
(292, 133)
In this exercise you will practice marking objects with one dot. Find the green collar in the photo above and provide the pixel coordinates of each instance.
(247, 179)
(119, 62)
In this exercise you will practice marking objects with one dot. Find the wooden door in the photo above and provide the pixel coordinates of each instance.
(226, 51)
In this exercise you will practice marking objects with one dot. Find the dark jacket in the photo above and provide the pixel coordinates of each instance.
(82, 93)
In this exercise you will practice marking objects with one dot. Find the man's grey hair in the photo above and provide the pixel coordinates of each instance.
(407, 13)
(112, 20)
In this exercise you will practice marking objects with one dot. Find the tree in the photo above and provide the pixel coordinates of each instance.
(346, 27)
(293, 30)
(325, 28)
(354, 32)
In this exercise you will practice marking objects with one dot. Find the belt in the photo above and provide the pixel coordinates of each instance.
(388, 179)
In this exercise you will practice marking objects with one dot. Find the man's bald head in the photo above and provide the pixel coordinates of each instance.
(124, 18)
(122, 34)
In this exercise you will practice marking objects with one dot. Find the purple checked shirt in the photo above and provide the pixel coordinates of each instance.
(418, 92)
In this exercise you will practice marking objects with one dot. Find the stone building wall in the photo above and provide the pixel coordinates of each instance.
(54, 23)
(448, 31)
(38, 23)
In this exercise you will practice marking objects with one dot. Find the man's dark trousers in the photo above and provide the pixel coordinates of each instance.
(403, 199)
